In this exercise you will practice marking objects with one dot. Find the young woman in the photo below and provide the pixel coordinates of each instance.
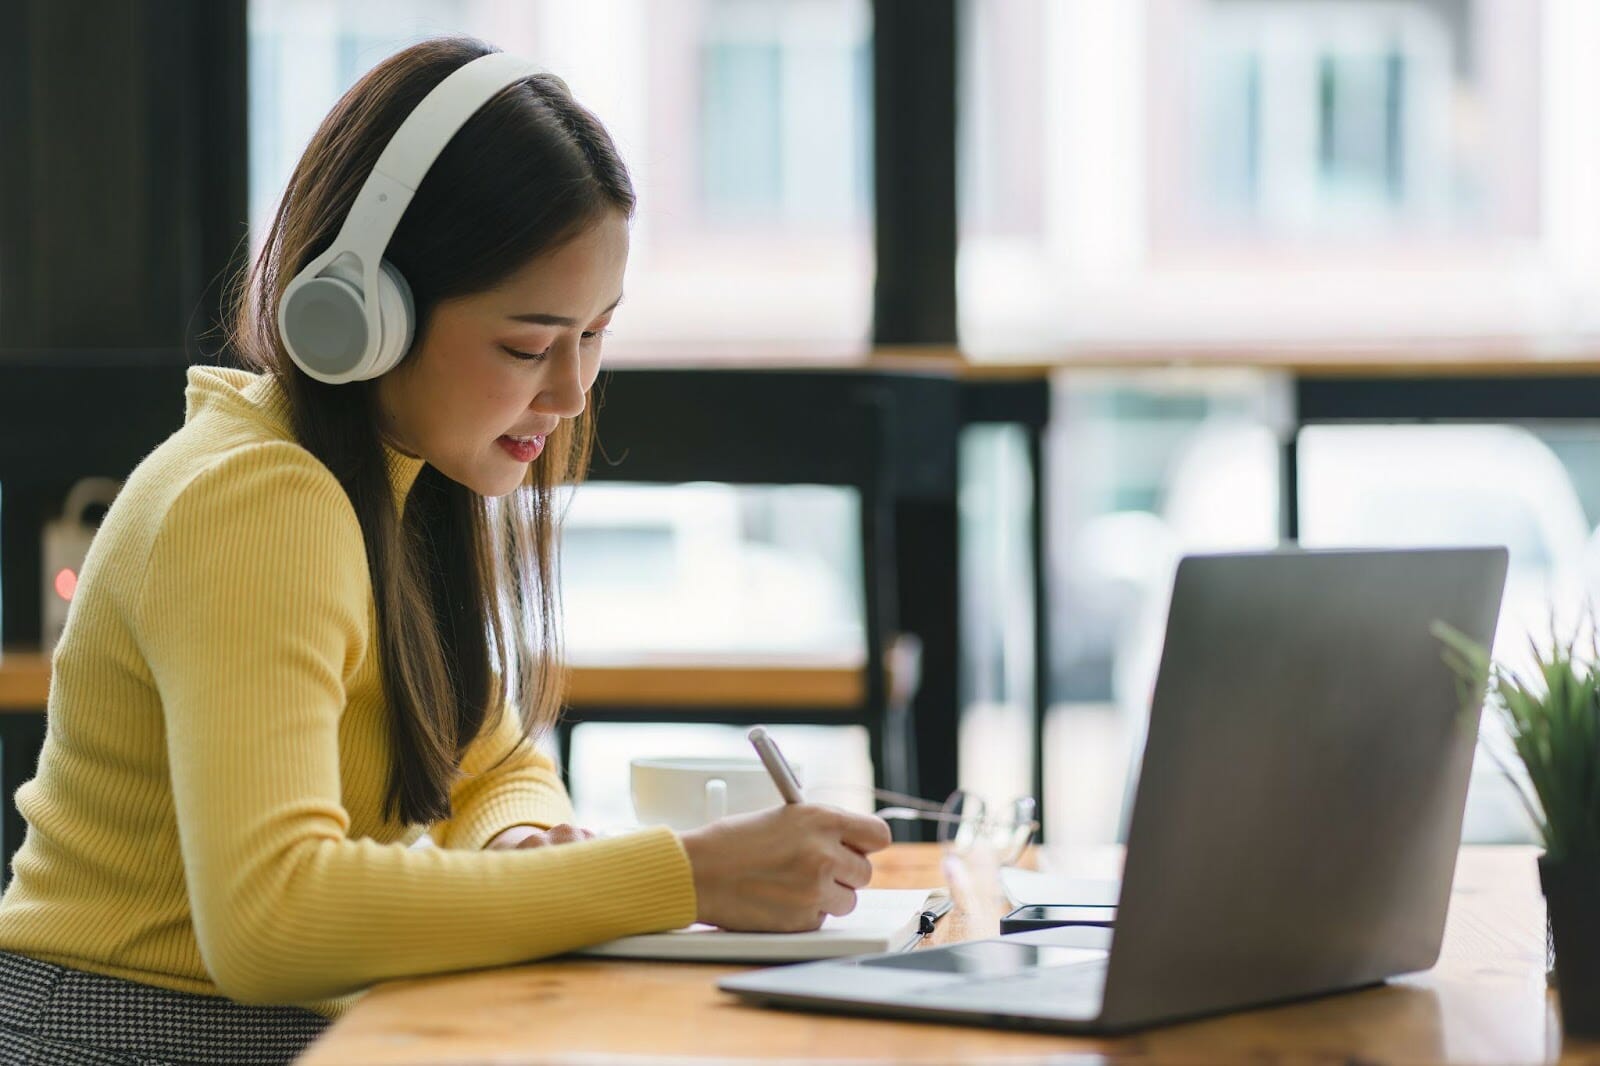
(321, 620)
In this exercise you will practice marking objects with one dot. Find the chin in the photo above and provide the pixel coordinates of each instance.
(488, 483)
(507, 485)
(500, 490)
(495, 487)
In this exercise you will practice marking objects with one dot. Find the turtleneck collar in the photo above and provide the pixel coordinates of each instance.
(261, 396)
(403, 471)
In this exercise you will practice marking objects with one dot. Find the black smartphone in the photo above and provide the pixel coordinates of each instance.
(1048, 915)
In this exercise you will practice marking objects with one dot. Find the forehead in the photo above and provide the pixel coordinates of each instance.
(579, 279)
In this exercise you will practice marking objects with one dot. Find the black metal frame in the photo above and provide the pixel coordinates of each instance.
(1434, 397)
(914, 65)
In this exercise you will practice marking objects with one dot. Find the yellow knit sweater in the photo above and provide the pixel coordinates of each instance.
(208, 810)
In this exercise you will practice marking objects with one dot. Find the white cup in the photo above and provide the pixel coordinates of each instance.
(688, 792)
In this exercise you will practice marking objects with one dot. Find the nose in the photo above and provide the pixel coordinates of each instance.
(561, 388)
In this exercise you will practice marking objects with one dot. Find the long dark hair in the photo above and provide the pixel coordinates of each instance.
(465, 588)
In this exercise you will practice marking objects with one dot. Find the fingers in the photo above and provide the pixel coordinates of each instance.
(865, 833)
(566, 834)
(784, 868)
(837, 899)
(852, 870)
(556, 834)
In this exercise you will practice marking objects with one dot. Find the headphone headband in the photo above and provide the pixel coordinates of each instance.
(331, 338)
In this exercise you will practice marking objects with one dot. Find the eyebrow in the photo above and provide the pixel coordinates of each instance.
(543, 319)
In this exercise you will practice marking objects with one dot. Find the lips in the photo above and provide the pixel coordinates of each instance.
(522, 449)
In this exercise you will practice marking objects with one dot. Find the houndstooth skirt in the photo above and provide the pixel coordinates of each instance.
(51, 1014)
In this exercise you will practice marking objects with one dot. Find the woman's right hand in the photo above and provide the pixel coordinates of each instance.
(782, 870)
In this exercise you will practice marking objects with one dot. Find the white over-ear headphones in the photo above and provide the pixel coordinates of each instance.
(348, 315)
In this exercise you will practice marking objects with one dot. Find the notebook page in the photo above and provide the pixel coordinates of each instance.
(884, 920)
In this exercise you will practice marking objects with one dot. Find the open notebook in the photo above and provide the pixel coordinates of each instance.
(885, 919)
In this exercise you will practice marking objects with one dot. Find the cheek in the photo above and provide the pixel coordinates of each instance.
(488, 385)
(465, 405)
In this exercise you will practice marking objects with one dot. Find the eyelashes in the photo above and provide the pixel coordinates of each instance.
(534, 357)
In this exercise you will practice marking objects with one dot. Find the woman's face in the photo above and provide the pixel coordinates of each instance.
(495, 372)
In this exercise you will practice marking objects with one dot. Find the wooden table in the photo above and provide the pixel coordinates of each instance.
(1486, 1001)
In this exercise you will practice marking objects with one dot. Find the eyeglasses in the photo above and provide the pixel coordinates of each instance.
(966, 825)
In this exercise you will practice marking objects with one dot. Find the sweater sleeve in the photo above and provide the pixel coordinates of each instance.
(251, 615)
(505, 781)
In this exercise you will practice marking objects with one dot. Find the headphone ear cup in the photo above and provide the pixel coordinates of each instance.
(397, 318)
(324, 328)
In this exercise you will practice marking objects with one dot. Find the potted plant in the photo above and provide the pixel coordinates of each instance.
(1554, 723)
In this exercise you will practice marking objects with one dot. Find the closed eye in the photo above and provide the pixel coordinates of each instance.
(588, 335)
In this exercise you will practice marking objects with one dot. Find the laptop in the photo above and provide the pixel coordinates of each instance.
(1296, 821)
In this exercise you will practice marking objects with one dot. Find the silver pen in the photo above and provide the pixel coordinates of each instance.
(777, 765)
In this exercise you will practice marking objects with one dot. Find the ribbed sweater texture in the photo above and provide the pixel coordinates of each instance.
(207, 814)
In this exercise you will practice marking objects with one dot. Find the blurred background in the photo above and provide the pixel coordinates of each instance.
(1171, 210)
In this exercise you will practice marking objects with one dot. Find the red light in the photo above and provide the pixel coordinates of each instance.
(66, 584)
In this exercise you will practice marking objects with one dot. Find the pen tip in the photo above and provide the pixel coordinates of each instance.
(757, 733)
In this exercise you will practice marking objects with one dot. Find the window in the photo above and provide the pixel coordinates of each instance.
(746, 124)
(1530, 489)
(1147, 468)
(712, 569)
(1192, 173)
(1355, 122)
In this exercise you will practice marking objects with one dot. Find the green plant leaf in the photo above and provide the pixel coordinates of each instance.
(1553, 719)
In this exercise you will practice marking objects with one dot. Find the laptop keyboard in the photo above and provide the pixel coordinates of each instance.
(1053, 986)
